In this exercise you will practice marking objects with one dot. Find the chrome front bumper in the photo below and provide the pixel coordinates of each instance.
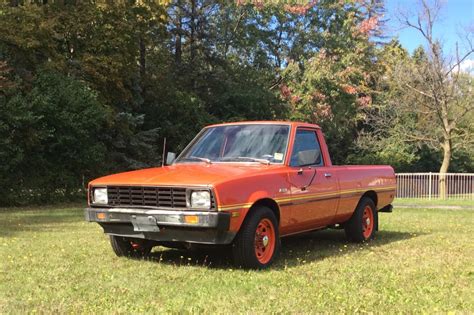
(209, 227)
(206, 219)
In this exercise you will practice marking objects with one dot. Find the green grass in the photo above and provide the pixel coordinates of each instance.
(434, 202)
(421, 261)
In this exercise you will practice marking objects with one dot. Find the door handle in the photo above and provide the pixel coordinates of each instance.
(327, 174)
(300, 171)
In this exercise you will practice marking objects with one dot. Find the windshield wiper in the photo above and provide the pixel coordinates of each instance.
(197, 158)
(263, 161)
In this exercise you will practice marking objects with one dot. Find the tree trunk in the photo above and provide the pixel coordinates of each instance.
(142, 61)
(179, 31)
(444, 168)
(192, 38)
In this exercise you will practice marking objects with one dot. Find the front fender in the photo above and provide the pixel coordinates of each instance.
(239, 195)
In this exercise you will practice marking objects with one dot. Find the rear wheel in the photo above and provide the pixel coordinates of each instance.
(363, 223)
(130, 247)
(258, 242)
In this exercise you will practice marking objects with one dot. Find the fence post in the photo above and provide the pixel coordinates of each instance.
(429, 188)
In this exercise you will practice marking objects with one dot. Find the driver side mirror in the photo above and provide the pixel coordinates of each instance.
(170, 157)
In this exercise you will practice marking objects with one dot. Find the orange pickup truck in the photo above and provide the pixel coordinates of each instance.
(244, 185)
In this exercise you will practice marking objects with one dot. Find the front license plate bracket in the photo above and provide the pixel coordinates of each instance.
(144, 223)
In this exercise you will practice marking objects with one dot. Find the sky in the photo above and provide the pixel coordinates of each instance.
(455, 15)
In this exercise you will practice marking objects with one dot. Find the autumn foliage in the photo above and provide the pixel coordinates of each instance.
(88, 88)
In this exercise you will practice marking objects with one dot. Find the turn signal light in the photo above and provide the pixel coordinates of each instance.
(191, 219)
(100, 216)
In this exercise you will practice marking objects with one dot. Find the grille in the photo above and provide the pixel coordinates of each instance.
(147, 196)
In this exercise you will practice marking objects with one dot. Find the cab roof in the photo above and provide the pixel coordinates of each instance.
(268, 122)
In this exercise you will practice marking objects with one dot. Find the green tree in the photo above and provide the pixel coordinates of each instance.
(429, 102)
(50, 139)
(332, 79)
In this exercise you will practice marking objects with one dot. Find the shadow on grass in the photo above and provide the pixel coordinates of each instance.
(295, 250)
(16, 220)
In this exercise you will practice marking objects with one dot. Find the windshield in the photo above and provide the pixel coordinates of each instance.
(239, 143)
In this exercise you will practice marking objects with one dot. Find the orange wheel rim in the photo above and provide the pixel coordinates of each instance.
(264, 241)
(367, 222)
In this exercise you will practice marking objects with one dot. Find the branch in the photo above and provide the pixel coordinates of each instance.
(276, 83)
(460, 61)
(241, 16)
(418, 27)
(466, 142)
(453, 123)
(419, 91)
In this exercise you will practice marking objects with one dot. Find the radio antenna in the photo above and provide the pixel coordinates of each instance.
(163, 158)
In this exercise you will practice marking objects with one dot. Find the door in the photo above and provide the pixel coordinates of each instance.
(314, 188)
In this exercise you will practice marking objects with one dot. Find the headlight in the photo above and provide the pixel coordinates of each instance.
(100, 196)
(201, 199)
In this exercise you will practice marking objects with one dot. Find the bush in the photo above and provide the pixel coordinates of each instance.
(50, 140)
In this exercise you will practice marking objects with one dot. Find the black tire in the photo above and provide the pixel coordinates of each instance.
(244, 246)
(130, 247)
(356, 229)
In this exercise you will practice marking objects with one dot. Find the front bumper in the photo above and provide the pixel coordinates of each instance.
(206, 227)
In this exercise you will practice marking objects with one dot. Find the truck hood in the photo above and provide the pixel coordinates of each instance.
(185, 174)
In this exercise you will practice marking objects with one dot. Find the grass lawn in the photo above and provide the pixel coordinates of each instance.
(434, 202)
(421, 261)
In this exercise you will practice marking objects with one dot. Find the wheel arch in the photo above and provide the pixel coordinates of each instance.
(269, 203)
(372, 195)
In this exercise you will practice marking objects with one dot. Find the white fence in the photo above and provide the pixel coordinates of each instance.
(426, 185)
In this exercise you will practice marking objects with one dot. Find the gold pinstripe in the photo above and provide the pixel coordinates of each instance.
(238, 206)
(318, 195)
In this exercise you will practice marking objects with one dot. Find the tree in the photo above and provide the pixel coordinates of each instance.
(165, 68)
(426, 102)
(330, 79)
(51, 139)
(219, 60)
(442, 95)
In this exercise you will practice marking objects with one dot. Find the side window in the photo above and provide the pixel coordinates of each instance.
(306, 149)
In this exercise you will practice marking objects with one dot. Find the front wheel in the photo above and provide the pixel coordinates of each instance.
(258, 242)
(125, 246)
(363, 223)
